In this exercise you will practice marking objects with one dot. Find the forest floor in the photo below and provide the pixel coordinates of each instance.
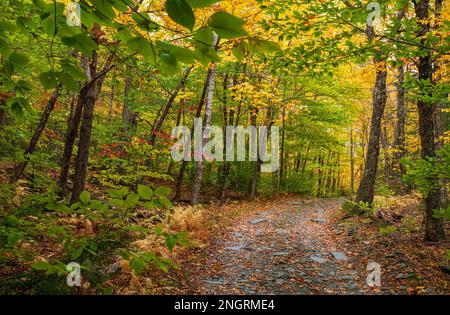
(294, 245)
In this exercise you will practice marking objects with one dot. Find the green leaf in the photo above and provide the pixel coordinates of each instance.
(163, 191)
(168, 63)
(170, 242)
(132, 199)
(204, 37)
(85, 196)
(165, 201)
(227, 25)
(145, 192)
(49, 25)
(141, 45)
(67, 81)
(117, 193)
(81, 42)
(48, 79)
(17, 110)
(73, 71)
(137, 265)
(105, 7)
(239, 51)
(120, 6)
(180, 12)
(124, 34)
(13, 238)
(87, 18)
(7, 26)
(77, 253)
(18, 59)
(201, 3)
(41, 265)
(5, 51)
(182, 54)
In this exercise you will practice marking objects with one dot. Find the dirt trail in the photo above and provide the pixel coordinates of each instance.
(289, 249)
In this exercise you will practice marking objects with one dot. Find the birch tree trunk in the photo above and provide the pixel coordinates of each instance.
(206, 124)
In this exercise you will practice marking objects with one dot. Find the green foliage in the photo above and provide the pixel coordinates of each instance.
(362, 208)
(387, 230)
(115, 228)
(181, 12)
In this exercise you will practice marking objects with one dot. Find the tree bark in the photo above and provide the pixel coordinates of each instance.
(366, 188)
(208, 113)
(352, 162)
(434, 227)
(158, 124)
(399, 136)
(184, 163)
(84, 142)
(128, 117)
(111, 100)
(20, 168)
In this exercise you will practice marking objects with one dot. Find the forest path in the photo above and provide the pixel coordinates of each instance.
(290, 249)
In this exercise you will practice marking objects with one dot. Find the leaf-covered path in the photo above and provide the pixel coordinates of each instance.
(290, 249)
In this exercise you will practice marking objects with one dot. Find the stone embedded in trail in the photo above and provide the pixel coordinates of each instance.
(319, 220)
(259, 233)
(237, 234)
(345, 277)
(237, 247)
(256, 221)
(214, 281)
(318, 259)
(280, 253)
(339, 256)
(279, 281)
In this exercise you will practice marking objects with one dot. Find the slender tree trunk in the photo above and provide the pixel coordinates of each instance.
(206, 124)
(20, 168)
(366, 188)
(226, 120)
(434, 227)
(128, 117)
(111, 100)
(283, 126)
(71, 134)
(352, 162)
(84, 142)
(184, 163)
(256, 164)
(385, 144)
(158, 124)
(399, 136)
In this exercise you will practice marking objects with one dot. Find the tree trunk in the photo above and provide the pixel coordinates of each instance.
(399, 136)
(352, 162)
(128, 117)
(366, 188)
(385, 144)
(111, 100)
(438, 113)
(158, 124)
(84, 142)
(434, 227)
(184, 163)
(206, 124)
(283, 131)
(19, 169)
